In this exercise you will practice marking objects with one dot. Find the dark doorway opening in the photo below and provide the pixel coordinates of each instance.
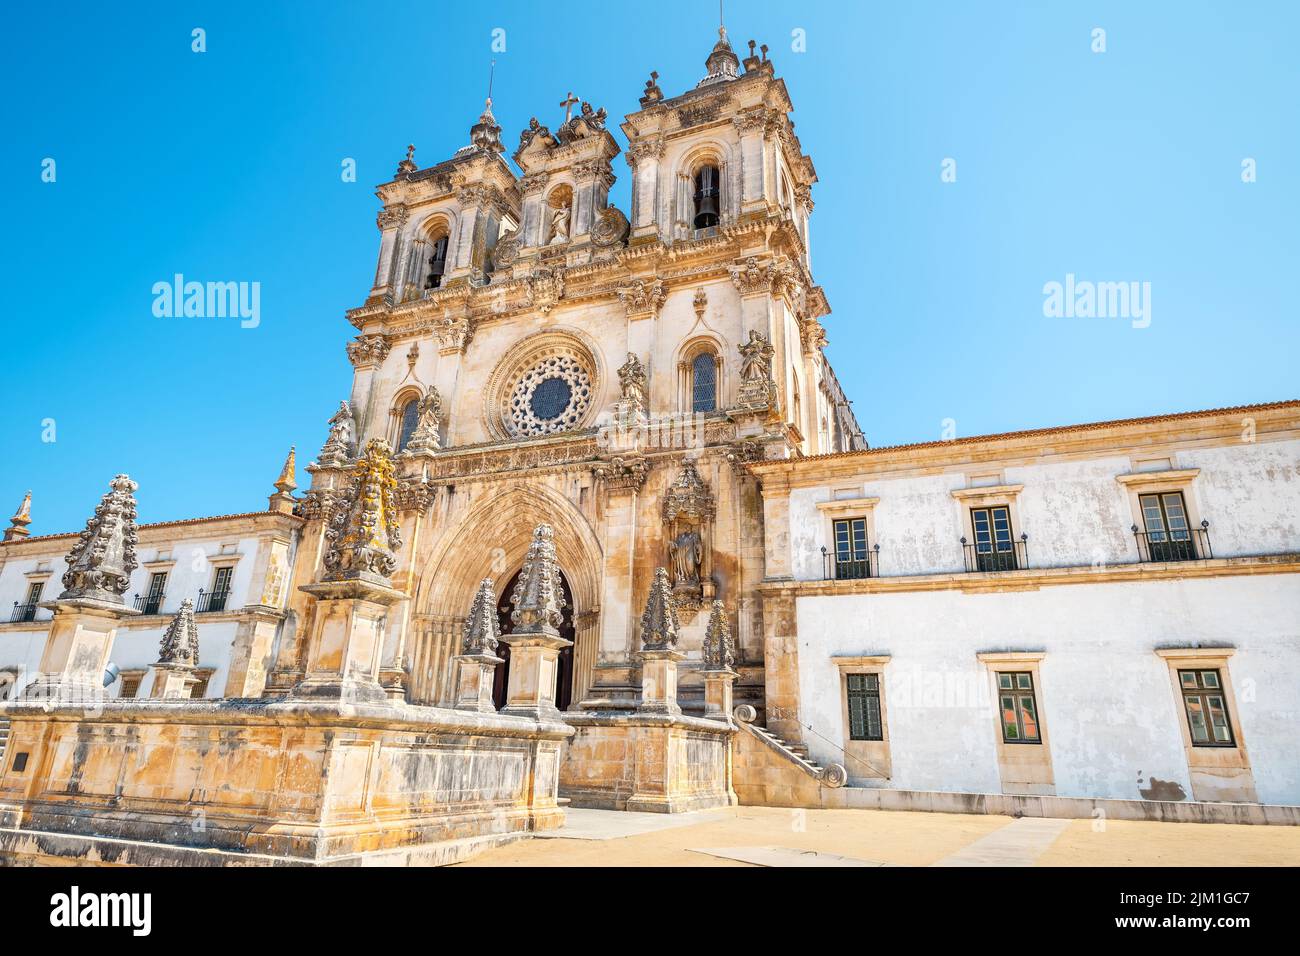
(564, 672)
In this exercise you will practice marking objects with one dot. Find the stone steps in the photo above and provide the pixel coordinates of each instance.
(4, 737)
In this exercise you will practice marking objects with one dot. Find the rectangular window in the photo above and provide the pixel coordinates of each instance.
(1169, 536)
(1018, 709)
(851, 557)
(216, 601)
(154, 598)
(1207, 708)
(34, 592)
(994, 548)
(864, 707)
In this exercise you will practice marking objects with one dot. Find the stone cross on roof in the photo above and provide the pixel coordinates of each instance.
(568, 103)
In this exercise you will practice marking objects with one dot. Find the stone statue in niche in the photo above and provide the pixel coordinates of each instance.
(428, 421)
(632, 381)
(688, 510)
(687, 551)
(756, 385)
(560, 226)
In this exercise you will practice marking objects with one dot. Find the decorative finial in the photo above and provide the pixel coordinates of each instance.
(407, 165)
(719, 646)
(285, 482)
(659, 625)
(482, 629)
(537, 598)
(180, 642)
(21, 519)
(101, 562)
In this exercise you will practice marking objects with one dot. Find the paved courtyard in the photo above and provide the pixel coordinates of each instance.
(772, 836)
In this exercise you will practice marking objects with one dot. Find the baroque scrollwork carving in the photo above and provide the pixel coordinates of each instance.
(611, 228)
(363, 536)
(368, 350)
(623, 474)
(545, 289)
(642, 298)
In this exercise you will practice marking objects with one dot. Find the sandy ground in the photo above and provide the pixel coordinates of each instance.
(898, 838)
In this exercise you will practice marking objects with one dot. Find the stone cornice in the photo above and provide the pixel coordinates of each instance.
(161, 532)
(1032, 579)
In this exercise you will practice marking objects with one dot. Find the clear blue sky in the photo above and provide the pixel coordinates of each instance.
(225, 165)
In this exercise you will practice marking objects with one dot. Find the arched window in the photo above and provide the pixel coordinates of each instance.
(409, 419)
(707, 198)
(704, 382)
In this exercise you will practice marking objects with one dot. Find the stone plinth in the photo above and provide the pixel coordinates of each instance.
(172, 681)
(718, 693)
(77, 649)
(534, 665)
(647, 762)
(474, 676)
(272, 782)
(659, 682)
(346, 640)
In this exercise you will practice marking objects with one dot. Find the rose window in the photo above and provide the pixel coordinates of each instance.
(550, 397)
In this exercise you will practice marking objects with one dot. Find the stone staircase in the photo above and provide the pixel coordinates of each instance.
(4, 738)
(832, 775)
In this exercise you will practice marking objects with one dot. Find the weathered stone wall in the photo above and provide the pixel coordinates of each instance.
(640, 762)
(307, 782)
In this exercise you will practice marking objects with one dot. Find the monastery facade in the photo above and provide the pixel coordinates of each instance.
(1100, 615)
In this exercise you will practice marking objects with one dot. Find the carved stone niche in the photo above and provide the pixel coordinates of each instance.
(688, 511)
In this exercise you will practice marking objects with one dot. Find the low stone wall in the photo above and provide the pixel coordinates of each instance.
(646, 762)
(271, 782)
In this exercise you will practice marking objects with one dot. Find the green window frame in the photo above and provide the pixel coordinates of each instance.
(1018, 708)
(863, 691)
(1206, 704)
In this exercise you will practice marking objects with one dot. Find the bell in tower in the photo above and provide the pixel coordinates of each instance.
(706, 198)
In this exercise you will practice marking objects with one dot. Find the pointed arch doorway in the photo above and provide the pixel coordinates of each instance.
(564, 672)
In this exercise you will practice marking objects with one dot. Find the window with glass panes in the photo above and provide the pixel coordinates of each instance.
(704, 382)
(850, 547)
(34, 592)
(1019, 711)
(1169, 536)
(410, 419)
(1207, 708)
(864, 707)
(994, 550)
(153, 600)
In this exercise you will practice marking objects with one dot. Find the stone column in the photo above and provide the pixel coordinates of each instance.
(251, 654)
(718, 694)
(659, 656)
(352, 599)
(535, 643)
(172, 681)
(781, 666)
(87, 613)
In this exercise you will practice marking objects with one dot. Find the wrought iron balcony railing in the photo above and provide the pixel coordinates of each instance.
(1189, 544)
(838, 568)
(22, 612)
(996, 555)
(212, 601)
(149, 604)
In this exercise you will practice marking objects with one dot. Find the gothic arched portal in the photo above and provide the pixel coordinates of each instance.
(491, 539)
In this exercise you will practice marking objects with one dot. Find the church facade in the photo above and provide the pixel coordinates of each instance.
(1106, 612)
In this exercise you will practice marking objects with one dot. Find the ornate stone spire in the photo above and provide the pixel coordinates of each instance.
(722, 64)
(285, 482)
(180, 642)
(101, 562)
(282, 501)
(21, 519)
(364, 535)
(659, 626)
(482, 629)
(719, 647)
(338, 447)
(538, 600)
